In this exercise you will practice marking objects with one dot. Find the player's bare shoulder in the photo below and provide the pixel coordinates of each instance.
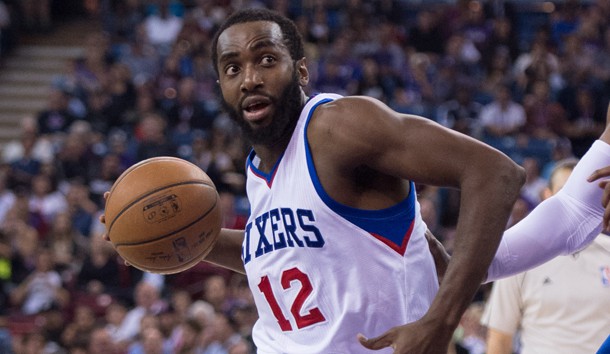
(352, 117)
(353, 126)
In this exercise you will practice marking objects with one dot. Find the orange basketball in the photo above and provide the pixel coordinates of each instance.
(163, 215)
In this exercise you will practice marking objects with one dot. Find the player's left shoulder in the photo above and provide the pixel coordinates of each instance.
(353, 112)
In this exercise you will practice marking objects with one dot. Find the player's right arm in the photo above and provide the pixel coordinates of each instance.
(578, 213)
(227, 250)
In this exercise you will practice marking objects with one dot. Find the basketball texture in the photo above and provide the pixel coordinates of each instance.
(163, 215)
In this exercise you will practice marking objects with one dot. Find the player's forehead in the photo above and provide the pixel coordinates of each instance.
(249, 36)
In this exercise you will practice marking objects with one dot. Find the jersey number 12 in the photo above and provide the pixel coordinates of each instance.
(313, 316)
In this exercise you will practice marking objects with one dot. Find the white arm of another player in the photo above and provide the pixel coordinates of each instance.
(563, 224)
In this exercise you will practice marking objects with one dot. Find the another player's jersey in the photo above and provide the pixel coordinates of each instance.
(322, 272)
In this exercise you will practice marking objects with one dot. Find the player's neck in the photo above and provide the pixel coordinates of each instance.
(270, 154)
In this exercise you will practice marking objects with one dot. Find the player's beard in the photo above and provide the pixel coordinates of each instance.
(287, 111)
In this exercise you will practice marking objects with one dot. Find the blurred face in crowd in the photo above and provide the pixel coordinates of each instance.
(146, 295)
(260, 82)
(152, 341)
(100, 342)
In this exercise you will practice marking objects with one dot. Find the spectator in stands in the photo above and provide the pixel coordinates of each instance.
(502, 39)
(46, 202)
(476, 28)
(24, 242)
(166, 83)
(141, 58)
(67, 245)
(497, 73)
(503, 117)
(162, 28)
(181, 301)
(55, 118)
(122, 93)
(545, 118)
(41, 150)
(370, 81)
(150, 341)
(540, 63)
(215, 292)
(224, 336)
(585, 119)
(334, 76)
(101, 343)
(81, 326)
(152, 140)
(82, 209)
(462, 112)
(426, 35)
(192, 336)
(98, 274)
(109, 170)
(185, 113)
(564, 21)
(577, 58)
(23, 168)
(113, 317)
(97, 115)
(601, 66)
(42, 289)
(148, 301)
(120, 19)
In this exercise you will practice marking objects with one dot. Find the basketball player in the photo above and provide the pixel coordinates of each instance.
(335, 246)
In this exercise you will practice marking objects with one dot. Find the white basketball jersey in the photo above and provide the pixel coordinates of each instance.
(322, 272)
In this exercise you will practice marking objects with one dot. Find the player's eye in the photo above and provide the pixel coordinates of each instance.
(267, 60)
(231, 70)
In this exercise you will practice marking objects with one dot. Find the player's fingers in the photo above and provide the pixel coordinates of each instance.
(106, 194)
(440, 255)
(384, 341)
(606, 195)
(599, 173)
(606, 220)
(102, 218)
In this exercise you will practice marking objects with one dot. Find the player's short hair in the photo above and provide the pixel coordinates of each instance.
(290, 32)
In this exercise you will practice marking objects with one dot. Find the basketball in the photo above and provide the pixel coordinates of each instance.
(163, 215)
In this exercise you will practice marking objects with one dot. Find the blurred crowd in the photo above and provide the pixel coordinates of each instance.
(146, 87)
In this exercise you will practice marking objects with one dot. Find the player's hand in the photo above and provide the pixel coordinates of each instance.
(439, 253)
(605, 185)
(419, 337)
(102, 219)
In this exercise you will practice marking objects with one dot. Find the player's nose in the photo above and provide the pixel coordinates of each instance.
(252, 79)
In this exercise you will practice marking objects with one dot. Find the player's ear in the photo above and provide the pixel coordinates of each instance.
(302, 71)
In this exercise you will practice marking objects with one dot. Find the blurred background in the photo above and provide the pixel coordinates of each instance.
(90, 87)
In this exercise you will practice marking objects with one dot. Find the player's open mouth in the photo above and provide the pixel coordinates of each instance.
(256, 109)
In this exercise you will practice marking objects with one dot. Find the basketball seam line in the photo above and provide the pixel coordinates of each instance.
(153, 192)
